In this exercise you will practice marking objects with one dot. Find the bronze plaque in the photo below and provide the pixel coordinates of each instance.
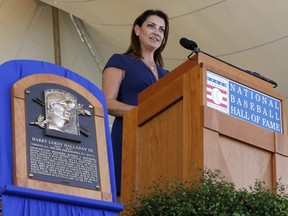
(61, 137)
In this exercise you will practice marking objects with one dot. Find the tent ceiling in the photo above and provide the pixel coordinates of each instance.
(249, 34)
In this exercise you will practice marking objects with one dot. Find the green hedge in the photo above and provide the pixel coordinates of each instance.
(208, 194)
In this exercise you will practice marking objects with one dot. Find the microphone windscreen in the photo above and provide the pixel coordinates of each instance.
(188, 44)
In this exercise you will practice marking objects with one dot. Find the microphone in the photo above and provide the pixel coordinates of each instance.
(189, 44)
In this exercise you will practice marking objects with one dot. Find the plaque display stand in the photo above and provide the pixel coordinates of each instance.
(172, 130)
(34, 168)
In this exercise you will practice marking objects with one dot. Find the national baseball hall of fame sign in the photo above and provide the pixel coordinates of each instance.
(60, 132)
(243, 103)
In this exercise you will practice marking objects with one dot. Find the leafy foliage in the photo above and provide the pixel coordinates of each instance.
(208, 194)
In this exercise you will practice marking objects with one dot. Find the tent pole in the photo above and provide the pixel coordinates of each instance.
(56, 36)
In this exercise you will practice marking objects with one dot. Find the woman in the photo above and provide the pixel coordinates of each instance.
(126, 75)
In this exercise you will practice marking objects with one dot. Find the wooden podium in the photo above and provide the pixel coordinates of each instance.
(172, 128)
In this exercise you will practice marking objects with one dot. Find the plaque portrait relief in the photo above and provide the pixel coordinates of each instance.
(60, 111)
(61, 136)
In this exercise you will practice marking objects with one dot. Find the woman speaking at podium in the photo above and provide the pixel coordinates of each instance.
(126, 75)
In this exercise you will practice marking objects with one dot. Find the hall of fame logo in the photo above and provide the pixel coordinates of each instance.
(217, 92)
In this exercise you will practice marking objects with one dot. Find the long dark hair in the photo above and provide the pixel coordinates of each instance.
(134, 48)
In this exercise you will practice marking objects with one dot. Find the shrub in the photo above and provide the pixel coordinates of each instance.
(208, 194)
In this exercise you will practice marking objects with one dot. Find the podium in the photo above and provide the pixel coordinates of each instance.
(207, 114)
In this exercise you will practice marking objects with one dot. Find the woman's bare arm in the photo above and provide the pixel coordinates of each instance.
(111, 80)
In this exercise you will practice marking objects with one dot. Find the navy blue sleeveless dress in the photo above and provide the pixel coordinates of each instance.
(137, 77)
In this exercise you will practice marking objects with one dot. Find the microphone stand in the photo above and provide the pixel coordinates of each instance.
(197, 50)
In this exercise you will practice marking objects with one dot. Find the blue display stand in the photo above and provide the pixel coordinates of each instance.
(26, 201)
